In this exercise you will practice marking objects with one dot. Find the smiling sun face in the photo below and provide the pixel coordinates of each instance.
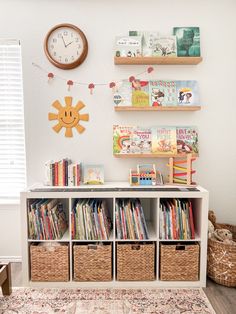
(68, 116)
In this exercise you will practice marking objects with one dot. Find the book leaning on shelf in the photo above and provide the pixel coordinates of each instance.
(46, 220)
(90, 220)
(130, 220)
(62, 173)
(176, 219)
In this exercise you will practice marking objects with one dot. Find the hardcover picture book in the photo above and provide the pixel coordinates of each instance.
(141, 141)
(140, 93)
(122, 137)
(164, 140)
(188, 41)
(187, 139)
(165, 47)
(149, 41)
(128, 46)
(93, 174)
(123, 94)
(187, 93)
(162, 93)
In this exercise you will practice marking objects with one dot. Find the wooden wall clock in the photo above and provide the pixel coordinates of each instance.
(66, 46)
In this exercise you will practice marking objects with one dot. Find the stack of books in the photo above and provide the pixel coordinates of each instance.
(176, 219)
(63, 173)
(90, 220)
(130, 220)
(46, 220)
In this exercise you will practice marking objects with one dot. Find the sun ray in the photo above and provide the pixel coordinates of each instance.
(80, 128)
(52, 116)
(57, 128)
(80, 105)
(68, 101)
(84, 117)
(57, 105)
(68, 132)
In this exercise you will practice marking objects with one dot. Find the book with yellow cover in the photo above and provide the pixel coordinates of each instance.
(164, 140)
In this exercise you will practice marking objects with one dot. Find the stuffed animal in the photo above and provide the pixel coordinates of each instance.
(212, 217)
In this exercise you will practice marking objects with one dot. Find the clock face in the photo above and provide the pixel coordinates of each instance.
(66, 46)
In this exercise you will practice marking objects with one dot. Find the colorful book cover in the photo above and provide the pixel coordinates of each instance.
(122, 139)
(187, 139)
(162, 93)
(93, 174)
(165, 47)
(188, 41)
(123, 94)
(128, 46)
(164, 140)
(140, 93)
(141, 141)
(149, 40)
(187, 93)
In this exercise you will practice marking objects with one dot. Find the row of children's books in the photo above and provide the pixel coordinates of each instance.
(90, 220)
(163, 140)
(130, 220)
(62, 173)
(156, 93)
(46, 220)
(184, 42)
(176, 219)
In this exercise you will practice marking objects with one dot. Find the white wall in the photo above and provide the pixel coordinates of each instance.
(101, 21)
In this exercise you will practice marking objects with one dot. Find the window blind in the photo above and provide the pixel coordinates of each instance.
(12, 136)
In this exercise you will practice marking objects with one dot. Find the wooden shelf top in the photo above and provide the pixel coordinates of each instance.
(164, 108)
(157, 60)
(151, 155)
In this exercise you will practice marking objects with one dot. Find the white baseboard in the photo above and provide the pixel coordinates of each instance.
(13, 259)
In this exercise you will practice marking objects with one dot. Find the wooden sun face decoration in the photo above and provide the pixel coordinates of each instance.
(68, 117)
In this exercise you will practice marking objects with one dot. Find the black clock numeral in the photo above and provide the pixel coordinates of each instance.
(72, 58)
(66, 60)
(65, 33)
(77, 52)
(79, 46)
(59, 35)
(77, 40)
(54, 40)
(54, 53)
(52, 46)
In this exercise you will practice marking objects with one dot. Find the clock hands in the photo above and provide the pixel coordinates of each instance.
(63, 40)
(69, 44)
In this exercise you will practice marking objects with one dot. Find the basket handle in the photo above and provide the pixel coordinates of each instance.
(180, 247)
(135, 247)
(92, 246)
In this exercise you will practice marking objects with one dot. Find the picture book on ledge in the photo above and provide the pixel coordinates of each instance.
(156, 93)
(160, 140)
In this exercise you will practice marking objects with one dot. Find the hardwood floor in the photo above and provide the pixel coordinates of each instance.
(223, 299)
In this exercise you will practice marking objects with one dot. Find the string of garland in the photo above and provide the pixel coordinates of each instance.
(91, 86)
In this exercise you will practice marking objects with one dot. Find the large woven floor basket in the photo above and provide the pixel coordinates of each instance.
(179, 262)
(93, 262)
(136, 261)
(49, 263)
(221, 259)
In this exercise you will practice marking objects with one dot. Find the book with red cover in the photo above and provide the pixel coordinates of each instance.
(191, 220)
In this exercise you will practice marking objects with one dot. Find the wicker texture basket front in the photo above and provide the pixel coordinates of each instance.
(135, 262)
(49, 264)
(179, 262)
(221, 259)
(93, 262)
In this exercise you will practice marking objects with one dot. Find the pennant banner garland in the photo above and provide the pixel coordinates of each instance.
(91, 86)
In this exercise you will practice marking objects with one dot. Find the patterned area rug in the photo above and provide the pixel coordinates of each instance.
(105, 301)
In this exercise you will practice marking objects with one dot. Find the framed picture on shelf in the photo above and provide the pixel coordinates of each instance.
(93, 174)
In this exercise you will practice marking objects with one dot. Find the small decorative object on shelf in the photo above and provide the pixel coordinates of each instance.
(165, 141)
(93, 174)
(62, 173)
(179, 174)
(145, 175)
(156, 93)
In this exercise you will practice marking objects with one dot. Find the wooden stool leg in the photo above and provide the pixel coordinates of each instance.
(6, 286)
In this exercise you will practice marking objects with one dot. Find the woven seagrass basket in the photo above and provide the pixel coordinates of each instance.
(93, 262)
(49, 263)
(221, 259)
(136, 261)
(179, 261)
